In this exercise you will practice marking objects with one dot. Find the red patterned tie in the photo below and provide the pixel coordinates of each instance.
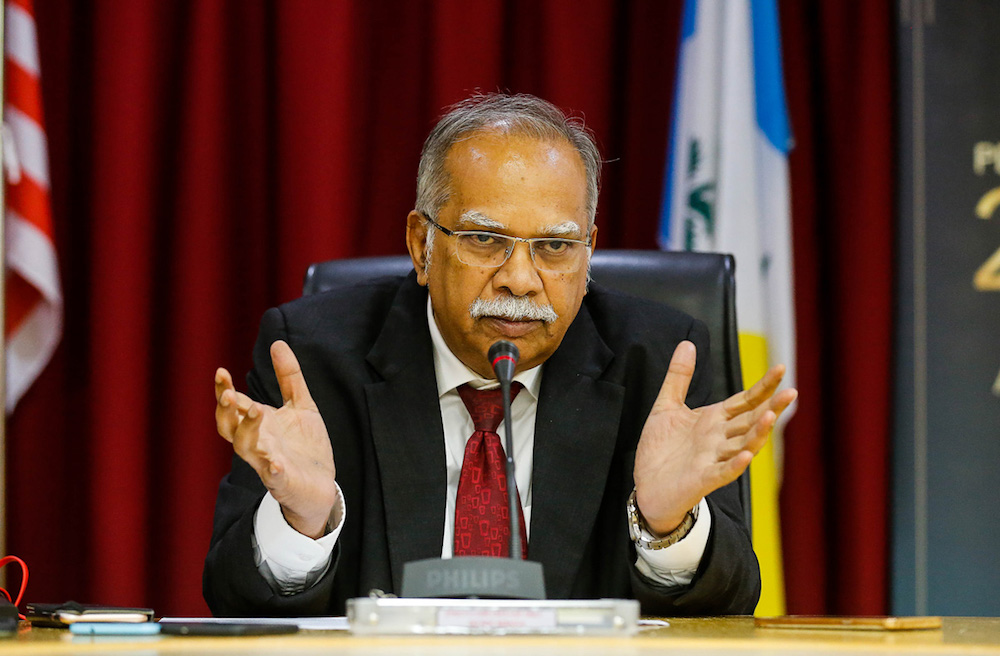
(482, 527)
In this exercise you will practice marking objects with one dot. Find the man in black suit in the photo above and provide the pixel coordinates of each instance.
(350, 442)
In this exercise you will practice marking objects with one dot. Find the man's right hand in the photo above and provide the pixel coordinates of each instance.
(288, 447)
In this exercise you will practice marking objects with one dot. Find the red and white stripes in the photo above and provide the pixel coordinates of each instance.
(34, 297)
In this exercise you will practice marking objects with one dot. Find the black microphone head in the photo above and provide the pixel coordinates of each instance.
(503, 348)
(503, 357)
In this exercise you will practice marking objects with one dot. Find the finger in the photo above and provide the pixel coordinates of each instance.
(727, 471)
(238, 400)
(230, 411)
(756, 437)
(294, 390)
(246, 438)
(761, 391)
(675, 386)
(740, 424)
(227, 419)
(747, 440)
(223, 381)
(783, 399)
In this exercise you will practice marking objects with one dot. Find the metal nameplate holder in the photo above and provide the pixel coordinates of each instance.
(408, 616)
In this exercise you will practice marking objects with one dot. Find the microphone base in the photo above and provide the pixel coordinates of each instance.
(473, 577)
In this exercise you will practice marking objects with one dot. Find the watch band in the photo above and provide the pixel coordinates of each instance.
(638, 530)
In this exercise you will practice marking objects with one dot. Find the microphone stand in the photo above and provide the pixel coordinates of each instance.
(512, 496)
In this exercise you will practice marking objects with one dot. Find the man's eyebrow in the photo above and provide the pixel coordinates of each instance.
(480, 219)
(565, 229)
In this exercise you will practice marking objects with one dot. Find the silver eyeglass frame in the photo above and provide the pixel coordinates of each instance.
(530, 241)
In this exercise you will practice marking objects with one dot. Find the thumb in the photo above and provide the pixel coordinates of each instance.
(678, 378)
(294, 390)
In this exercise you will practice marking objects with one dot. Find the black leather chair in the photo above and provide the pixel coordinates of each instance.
(701, 284)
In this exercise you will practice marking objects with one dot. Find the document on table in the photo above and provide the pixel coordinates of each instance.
(304, 623)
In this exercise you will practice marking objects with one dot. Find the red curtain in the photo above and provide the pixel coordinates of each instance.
(203, 153)
(835, 500)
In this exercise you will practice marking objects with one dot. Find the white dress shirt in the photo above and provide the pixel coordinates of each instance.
(292, 562)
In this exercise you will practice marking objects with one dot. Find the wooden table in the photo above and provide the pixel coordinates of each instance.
(960, 635)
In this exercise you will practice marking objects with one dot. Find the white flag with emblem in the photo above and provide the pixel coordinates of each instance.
(727, 191)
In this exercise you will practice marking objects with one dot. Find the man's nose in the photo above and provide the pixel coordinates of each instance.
(518, 274)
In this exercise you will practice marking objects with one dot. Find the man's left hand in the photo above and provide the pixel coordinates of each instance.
(685, 454)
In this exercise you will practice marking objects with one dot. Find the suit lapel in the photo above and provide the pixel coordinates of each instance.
(576, 429)
(407, 433)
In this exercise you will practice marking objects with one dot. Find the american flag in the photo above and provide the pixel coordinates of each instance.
(34, 298)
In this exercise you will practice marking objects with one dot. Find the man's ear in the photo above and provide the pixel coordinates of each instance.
(416, 243)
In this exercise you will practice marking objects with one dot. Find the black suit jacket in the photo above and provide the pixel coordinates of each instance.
(367, 357)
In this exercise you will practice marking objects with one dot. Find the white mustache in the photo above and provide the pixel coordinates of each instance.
(513, 308)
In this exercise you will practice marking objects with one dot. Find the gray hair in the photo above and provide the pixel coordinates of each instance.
(520, 114)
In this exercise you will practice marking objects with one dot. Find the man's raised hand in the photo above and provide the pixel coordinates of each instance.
(288, 447)
(684, 454)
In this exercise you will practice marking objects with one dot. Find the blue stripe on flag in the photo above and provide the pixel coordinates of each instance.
(772, 115)
(688, 22)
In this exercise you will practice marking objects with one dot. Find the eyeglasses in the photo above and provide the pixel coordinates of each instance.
(492, 250)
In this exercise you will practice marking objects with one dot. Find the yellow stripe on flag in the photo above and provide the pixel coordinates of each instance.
(764, 493)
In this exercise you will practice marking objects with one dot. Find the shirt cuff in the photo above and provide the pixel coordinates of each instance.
(289, 561)
(677, 564)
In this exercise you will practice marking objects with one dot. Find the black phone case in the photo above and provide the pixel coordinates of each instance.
(225, 628)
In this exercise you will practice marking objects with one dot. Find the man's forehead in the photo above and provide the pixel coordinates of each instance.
(474, 219)
(510, 149)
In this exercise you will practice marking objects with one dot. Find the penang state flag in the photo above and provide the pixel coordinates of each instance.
(727, 191)
(34, 298)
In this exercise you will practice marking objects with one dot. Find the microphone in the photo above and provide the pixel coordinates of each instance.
(503, 357)
(484, 576)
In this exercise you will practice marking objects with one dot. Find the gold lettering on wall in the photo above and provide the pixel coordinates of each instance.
(987, 276)
(985, 157)
(986, 154)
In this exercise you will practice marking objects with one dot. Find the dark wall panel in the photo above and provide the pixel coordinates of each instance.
(947, 439)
